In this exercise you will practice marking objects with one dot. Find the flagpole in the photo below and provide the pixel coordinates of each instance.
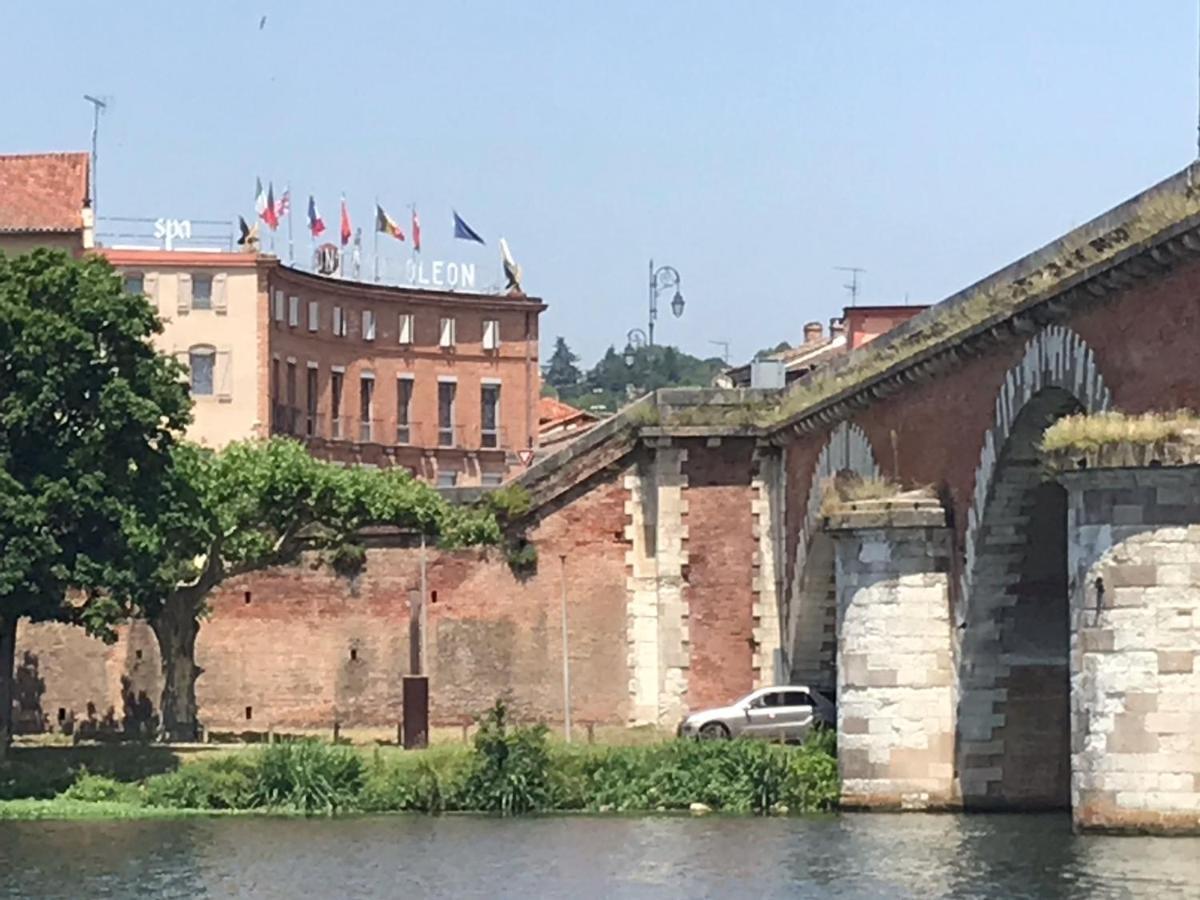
(291, 245)
(376, 238)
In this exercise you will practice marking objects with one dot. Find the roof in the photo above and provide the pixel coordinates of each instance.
(155, 258)
(43, 192)
(552, 412)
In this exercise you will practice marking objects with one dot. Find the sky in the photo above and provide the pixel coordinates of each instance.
(755, 147)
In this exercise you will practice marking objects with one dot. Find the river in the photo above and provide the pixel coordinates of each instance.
(877, 856)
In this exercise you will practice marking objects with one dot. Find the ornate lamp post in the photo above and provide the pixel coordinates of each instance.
(663, 279)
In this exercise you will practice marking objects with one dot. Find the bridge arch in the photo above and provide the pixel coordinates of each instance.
(1013, 710)
(810, 611)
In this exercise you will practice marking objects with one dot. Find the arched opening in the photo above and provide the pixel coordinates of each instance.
(1014, 703)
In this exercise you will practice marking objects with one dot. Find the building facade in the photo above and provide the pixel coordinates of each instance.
(45, 202)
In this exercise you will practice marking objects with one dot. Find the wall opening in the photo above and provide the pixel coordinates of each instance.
(1014, 705)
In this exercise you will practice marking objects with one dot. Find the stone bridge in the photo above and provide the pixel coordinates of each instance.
(998, 638)
(1003, 639)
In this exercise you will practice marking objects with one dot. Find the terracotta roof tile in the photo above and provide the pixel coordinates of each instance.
(43, 192)
(552, 411)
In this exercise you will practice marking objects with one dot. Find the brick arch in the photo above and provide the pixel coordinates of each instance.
(1056, 357)
(848, 449)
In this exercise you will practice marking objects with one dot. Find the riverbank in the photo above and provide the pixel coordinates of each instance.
(505, 771)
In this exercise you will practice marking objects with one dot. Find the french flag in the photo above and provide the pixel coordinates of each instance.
(316, 224)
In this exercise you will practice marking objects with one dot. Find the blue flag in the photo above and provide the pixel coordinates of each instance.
(464, 231)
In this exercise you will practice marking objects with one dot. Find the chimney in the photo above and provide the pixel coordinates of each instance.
(837, 327)
(812, 333)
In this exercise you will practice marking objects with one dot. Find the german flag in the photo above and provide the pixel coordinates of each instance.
(386, 224)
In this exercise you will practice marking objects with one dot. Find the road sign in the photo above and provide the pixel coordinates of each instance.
(526, 457)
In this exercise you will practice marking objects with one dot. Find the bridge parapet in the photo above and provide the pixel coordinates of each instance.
(894, 658)
(1134, 559)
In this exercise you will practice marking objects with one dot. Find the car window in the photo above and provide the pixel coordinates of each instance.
(796, 698)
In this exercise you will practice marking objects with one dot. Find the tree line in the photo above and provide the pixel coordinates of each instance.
(107, 513)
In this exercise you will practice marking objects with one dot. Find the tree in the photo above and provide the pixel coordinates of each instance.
(562, 371)
(252, 505)
(89, 414)
(770, 351)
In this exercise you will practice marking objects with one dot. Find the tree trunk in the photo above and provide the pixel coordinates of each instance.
(8, 652)
(176, 627)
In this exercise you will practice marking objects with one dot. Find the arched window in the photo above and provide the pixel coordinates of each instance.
(202, 363)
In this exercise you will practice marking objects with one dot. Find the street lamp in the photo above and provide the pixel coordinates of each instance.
(634, 341)
(663, 279)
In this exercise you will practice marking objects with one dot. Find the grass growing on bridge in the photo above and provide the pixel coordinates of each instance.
(507, 771)
(1088, 433)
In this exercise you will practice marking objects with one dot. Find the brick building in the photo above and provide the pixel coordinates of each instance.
(44, 202)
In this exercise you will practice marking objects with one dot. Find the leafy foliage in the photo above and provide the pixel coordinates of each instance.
(100, 789)
(308, 776)
(562, 373)
(89, 415)
(652, 368)
(227, 782)
(510, 768)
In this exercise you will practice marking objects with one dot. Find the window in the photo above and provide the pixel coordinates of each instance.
(405, 330)
(201, 364)
(335, 404)
(404, 392)
(446, 391)
(491, 334)
(796, 698)
(368, 324)
(134, 283)
(314, 315)
(293, 311)
(311, 396)
(279, 306)
(492, 479)
(339, 322)
(366, 393)
(446, 334)
(489, 415)
(290, 412)
(202, 292)
(447, 479)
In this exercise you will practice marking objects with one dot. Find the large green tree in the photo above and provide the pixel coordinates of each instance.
(89, 414)
(252, 505)
(562, 372)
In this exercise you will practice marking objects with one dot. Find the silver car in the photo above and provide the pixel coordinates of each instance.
(784, 712)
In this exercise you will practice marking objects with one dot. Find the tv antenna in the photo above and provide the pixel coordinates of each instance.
(852, 286)
(98, 106)
(724, 345)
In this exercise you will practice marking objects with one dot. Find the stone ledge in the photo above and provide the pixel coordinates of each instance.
(911, 509)
(1126, 455)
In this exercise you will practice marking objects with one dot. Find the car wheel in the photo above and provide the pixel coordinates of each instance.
(714, 731)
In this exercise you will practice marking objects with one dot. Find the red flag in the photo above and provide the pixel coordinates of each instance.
(270, 213)
(416, 230)
(347, 231)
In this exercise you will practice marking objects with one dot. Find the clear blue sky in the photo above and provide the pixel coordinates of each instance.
(752, 146)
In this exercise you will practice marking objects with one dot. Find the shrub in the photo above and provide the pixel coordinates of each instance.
(510, 767)
(308, 776)
(431, 781)
(227, 782)
(90, 788)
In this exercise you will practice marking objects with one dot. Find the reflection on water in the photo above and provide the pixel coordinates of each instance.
(578, 857)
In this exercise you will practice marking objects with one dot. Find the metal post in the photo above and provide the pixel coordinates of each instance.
(566, 660)
(97, 105)
(653, 311)
(291, 244)
(377, 239)
(421, 617)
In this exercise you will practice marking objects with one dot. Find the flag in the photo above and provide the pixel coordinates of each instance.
(464, 231)
(386, 224)
(249, 235)
(416, 230)
(284, 206)
(270, 215)
(347, 231)
(315, 223)
(260, 198)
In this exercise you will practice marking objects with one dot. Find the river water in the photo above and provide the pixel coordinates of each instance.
(884, 856)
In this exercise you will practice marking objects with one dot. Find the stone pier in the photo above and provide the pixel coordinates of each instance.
(1134, 551)
(894, 662)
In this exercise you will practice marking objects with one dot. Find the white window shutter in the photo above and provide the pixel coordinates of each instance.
(406, 328)
(224, 374)
(368, 325)
(183, 296)
(491, 334)
(337, 321)
(293, 311)
(314, 315)
(279, 306)
(447, 336)
(219, 303)
(150, 287)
